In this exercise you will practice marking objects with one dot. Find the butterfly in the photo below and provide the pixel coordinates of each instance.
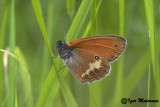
(89, 58)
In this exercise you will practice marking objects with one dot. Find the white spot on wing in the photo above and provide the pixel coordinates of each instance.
(93, 65)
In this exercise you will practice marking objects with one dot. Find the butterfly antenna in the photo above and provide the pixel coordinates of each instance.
(63, 29)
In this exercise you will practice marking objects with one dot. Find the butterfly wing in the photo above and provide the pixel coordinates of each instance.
(108, 46)
(87, 66)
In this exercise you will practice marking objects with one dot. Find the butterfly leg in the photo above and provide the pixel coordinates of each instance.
(54, 56)
(54, 49)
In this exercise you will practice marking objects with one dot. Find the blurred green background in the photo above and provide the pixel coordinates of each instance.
(29, 30)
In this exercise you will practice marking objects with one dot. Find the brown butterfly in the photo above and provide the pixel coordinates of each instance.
(89, 58)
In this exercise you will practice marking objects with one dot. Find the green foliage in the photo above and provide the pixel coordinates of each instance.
(148, 84)
(29, 31)
(11, 61)
(149, 6)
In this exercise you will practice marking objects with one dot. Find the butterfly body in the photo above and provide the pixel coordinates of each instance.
(89, 58)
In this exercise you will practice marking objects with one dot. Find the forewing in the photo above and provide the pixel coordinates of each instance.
(108, 46)
(87, 66)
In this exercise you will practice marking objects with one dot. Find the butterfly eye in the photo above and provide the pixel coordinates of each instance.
(96, 57)
(59, 42)
(115, 45)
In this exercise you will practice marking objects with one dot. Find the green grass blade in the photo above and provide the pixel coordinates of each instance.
(39, 15)
(151, 29)
(149, 8)
(85, 34)
(51, 83)
(70, 7)
(51, 80)
(25, 79)
(2, 42)
(136, 73)
(53, 95)
(148, 83)
(11, 62)
(79, 20)
(70, 101)
(95, 94)
(38, 12)
(93, 18)
(119, 81)
(15, 86)
(45, 63)
(13, 56)
(16, 103)
(121, 17)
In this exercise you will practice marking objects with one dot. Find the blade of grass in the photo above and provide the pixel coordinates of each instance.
(148, 83)
(119, 81)
(50, 83)
(5, 65)
(121, 17)
(79, 20)
(151, 29)
(51, 80)
(15, 86)
(11, 61)
(39, 16)
(70, 101)
(54, 91)
(149, 7)
(46, 56)
(93, 18)
(25, 78)
(13, 56)
(70, 7)
(89, 24)
(136, 73)
(16, 103)
(23, 66)
(2, 42)
(38, 12)
(95, 94)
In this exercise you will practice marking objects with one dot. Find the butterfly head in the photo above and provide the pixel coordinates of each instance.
(63, 49)
(59, 44)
